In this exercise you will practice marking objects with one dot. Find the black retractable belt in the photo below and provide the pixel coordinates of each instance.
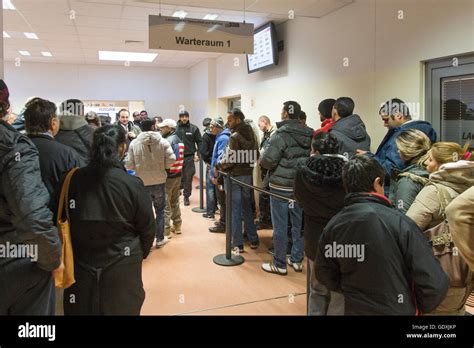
(228, 259)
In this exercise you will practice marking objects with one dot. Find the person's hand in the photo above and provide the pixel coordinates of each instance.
(131, 135)
(58, 270)
(196, 158)
(361, 152)
(214, 181)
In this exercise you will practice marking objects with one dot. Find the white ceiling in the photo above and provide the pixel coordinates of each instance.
(107, 24)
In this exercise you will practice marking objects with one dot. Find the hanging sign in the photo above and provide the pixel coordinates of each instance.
(187, 34)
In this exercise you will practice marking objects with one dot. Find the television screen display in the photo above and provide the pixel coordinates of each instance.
(265, 52)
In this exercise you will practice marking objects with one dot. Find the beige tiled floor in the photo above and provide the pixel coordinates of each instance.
(181, 278)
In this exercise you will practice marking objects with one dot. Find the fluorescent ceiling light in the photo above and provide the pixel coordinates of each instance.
(32, 36)
(46, 54)
(180, 14)
(7, 5)
(127, 56)
(25, 53)
(6, 35)
(211, 16)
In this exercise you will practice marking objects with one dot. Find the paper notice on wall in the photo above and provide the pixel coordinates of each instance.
(172, 33)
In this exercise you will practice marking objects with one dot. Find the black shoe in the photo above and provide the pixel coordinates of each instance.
(217, 223)
(186, 201)
(255, 245)
(217, 229)
(208, 216)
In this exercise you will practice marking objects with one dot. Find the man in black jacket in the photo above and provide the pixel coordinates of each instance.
(74, 131)
(375, 255)
(290, 143)
(191, 137)
(349, 129)
(238, 160)
(26, 223)
(206, 149)
(56, 159)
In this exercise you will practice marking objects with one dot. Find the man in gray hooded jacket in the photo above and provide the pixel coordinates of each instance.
(349, 129)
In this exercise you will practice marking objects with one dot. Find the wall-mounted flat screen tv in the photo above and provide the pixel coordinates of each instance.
(265, 53)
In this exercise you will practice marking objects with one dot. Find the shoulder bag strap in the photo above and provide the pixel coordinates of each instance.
(64, 196)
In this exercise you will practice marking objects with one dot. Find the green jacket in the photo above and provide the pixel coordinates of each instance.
(289, 144)
(405, 186)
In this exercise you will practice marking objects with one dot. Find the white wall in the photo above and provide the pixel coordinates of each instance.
(383, 63)
(202, 91)
(163, 90)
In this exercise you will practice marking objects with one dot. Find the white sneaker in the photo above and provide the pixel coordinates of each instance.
(297, 266)
(271, 268)
(161, 243)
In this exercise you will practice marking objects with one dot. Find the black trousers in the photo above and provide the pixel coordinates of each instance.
(221, 199)
(25, 289)
(189, 170)
(264, 202)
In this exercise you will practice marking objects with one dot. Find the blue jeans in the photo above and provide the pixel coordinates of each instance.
(210, 194)
(241, 209)
(279, 212)
(158, 197)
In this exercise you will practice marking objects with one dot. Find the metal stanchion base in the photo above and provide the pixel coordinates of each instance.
(222, 260)
(198, 210)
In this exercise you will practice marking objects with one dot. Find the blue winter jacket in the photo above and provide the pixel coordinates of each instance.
(387, 153)
(219, 147)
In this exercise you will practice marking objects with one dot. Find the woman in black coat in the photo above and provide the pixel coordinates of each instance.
(112, 231)
(319, 191)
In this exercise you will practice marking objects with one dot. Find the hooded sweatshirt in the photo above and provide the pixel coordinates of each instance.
(75, 132)
(351, 133)
(150, 155)
(457, 177)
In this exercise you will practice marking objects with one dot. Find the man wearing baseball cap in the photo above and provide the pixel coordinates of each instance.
(173, 181)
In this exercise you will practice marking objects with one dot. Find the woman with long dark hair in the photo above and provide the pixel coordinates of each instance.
(112, 231)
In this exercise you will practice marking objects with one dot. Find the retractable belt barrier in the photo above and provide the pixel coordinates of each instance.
(229, 258)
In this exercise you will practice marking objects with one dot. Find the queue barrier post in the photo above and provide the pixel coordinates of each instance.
(228, 259)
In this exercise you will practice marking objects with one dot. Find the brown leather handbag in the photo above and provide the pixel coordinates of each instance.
(443, 246)
(65, 279)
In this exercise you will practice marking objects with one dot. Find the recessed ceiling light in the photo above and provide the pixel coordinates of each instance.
(180, 14)
(211, 16)
(127, 56)
(25, 53)
(7, 5)
(46, 54)
(32, 36)
(6, 35)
